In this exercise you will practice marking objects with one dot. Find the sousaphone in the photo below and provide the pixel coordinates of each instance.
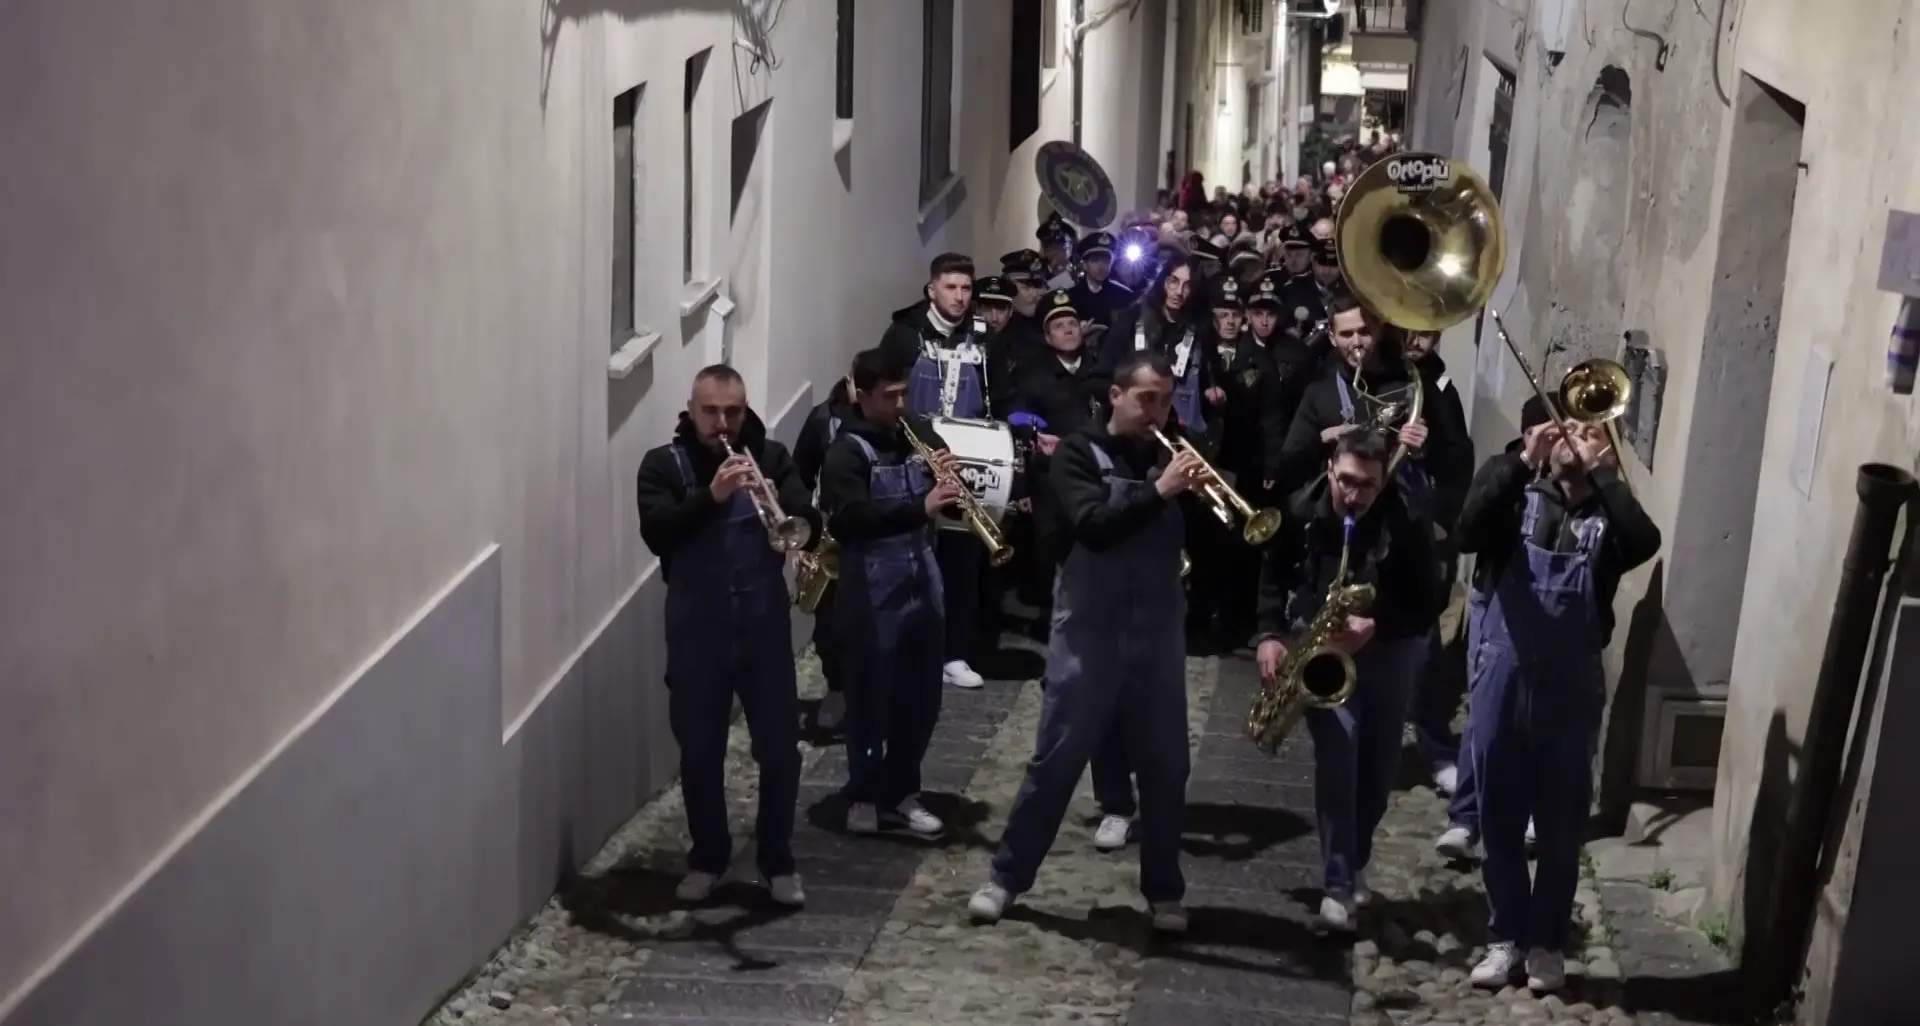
(1076, 185)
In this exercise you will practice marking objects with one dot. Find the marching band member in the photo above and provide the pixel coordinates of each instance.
(1027, 270)
(881, 500)
(809, 452)
(1356, 746)
(1096, 295)
(1161, 324)
(947, 348)
(1009, 343)
(1057, 239)
(1300, 291)
(1116, 655)
(1550, 556)
(1252, 422)
(729, 627)
(1272, 325)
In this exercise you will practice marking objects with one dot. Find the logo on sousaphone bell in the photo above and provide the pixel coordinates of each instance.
(1076, 186)
(1419, 172)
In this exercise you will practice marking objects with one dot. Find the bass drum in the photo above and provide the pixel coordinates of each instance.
(983, 454)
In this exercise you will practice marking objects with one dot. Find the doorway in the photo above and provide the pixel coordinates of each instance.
(1713, 527)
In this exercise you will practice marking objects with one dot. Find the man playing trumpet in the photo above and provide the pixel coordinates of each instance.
(729, 629)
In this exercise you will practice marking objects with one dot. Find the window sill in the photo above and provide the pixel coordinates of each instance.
(630, 354)
(699, 294)
(842, 134)
(938, 201)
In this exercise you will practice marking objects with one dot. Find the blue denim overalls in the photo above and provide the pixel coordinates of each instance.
(1539, 689)
(891, 622)
(1356, 747)
(1118, 652)
(950, 381)
(729, 630)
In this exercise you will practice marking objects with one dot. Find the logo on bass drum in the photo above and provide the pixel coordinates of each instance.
(982, 481)
(1419, 173)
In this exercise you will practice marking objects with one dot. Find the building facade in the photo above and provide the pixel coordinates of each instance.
(336, 333)
(1702, 194)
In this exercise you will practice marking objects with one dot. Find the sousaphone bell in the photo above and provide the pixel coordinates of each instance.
(1076, 185)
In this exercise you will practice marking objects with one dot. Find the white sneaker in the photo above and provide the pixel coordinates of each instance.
(1546, 970)
(787, 891)
(960, 675)
(1455, 843)
(1496, 969)
(1336, 914)
(1169, 917)
(1112, 833)
(1532, 837)
(863, 818)
(918, 820)
(696, 887)
(833, 709)
(1362, 897)
(1446, 779)
(988, 903)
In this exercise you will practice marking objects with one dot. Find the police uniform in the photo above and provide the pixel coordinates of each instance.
(1060, 393)
(1056, 234)
(1296, 358)
(729, 631)
(1116, 660)
(1299, 290)
(1098, 301)
(1250, 430)
(1027, 270)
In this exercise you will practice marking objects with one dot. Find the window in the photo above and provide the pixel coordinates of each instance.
(1023, 89)
(936, 98)
(1049, 31)
(629, 211)
(693, 137)
(843, 63)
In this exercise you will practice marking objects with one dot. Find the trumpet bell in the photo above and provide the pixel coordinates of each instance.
(792, 534)
(1262, 526)
(1596, 392)
(1422, 241)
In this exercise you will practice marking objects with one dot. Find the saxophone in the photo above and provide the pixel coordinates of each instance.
(1314, 674)
(813, 571)
(972, 513)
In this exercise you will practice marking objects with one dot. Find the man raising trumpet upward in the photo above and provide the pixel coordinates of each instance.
(1554, 526)
(1117, 657)
(946, 347)
(705, 512)
(881, 498)
(1353, 520)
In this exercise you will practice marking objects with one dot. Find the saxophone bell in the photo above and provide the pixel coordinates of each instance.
(814, 572)
(1314, 674)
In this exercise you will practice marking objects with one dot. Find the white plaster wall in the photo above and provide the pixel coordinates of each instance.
(303, 305)
(1856, 78)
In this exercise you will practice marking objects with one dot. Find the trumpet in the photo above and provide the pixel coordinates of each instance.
(974, 515)
(1227, 504)
(784, 533)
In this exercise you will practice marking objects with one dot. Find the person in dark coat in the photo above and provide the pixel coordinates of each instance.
(1096, 295)
(1063, 391)
(729, 622)
(822, 426)
(1248, 428)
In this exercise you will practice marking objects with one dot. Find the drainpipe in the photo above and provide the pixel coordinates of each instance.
(1885, 491)
(1079, 62)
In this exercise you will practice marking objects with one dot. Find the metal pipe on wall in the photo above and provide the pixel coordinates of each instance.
(1885, 491)
(1079, 63)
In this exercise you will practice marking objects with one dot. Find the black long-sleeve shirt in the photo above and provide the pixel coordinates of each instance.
(1447, 455)
(810, 449)
(671, 513)
(1392, 549)
(1495, 508)
(1086, 516)
(846, 494)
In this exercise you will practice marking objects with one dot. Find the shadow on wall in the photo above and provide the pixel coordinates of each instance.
(1649, 639)
(1766, 837)
(624, 396)
(557, 14)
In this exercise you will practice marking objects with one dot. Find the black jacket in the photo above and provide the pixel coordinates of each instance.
(1084, 516)
(845, 493)
(1009, 351)
(1409, 593)
(1446, 416)
(1447, 456)
(1066, 399)
(1491, 517)
(1101, 305)
(1251, 425)
(1162, 335)
(671, 514)
(810, 449)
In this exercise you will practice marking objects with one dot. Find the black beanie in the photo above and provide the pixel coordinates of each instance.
(1534, 413)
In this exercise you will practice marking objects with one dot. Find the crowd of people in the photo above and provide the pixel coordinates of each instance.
(1136, 381)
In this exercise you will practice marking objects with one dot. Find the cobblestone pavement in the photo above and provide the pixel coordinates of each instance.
(885, 940)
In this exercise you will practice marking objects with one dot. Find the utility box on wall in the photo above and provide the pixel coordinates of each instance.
(1647, 370)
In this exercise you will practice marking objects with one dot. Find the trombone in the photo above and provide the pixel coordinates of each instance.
(784, 533)
(1592, 392)
(1227, 504)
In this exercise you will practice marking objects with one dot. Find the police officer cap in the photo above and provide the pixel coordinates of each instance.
(1055, 229)
(994, 289)
(1245, 249)
(1019, 264)
(1204, 249)
(1325, 256)
(1225, 294)
(1097, 244)
(1059, 305)
(1295, 236)
(1267, 292)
